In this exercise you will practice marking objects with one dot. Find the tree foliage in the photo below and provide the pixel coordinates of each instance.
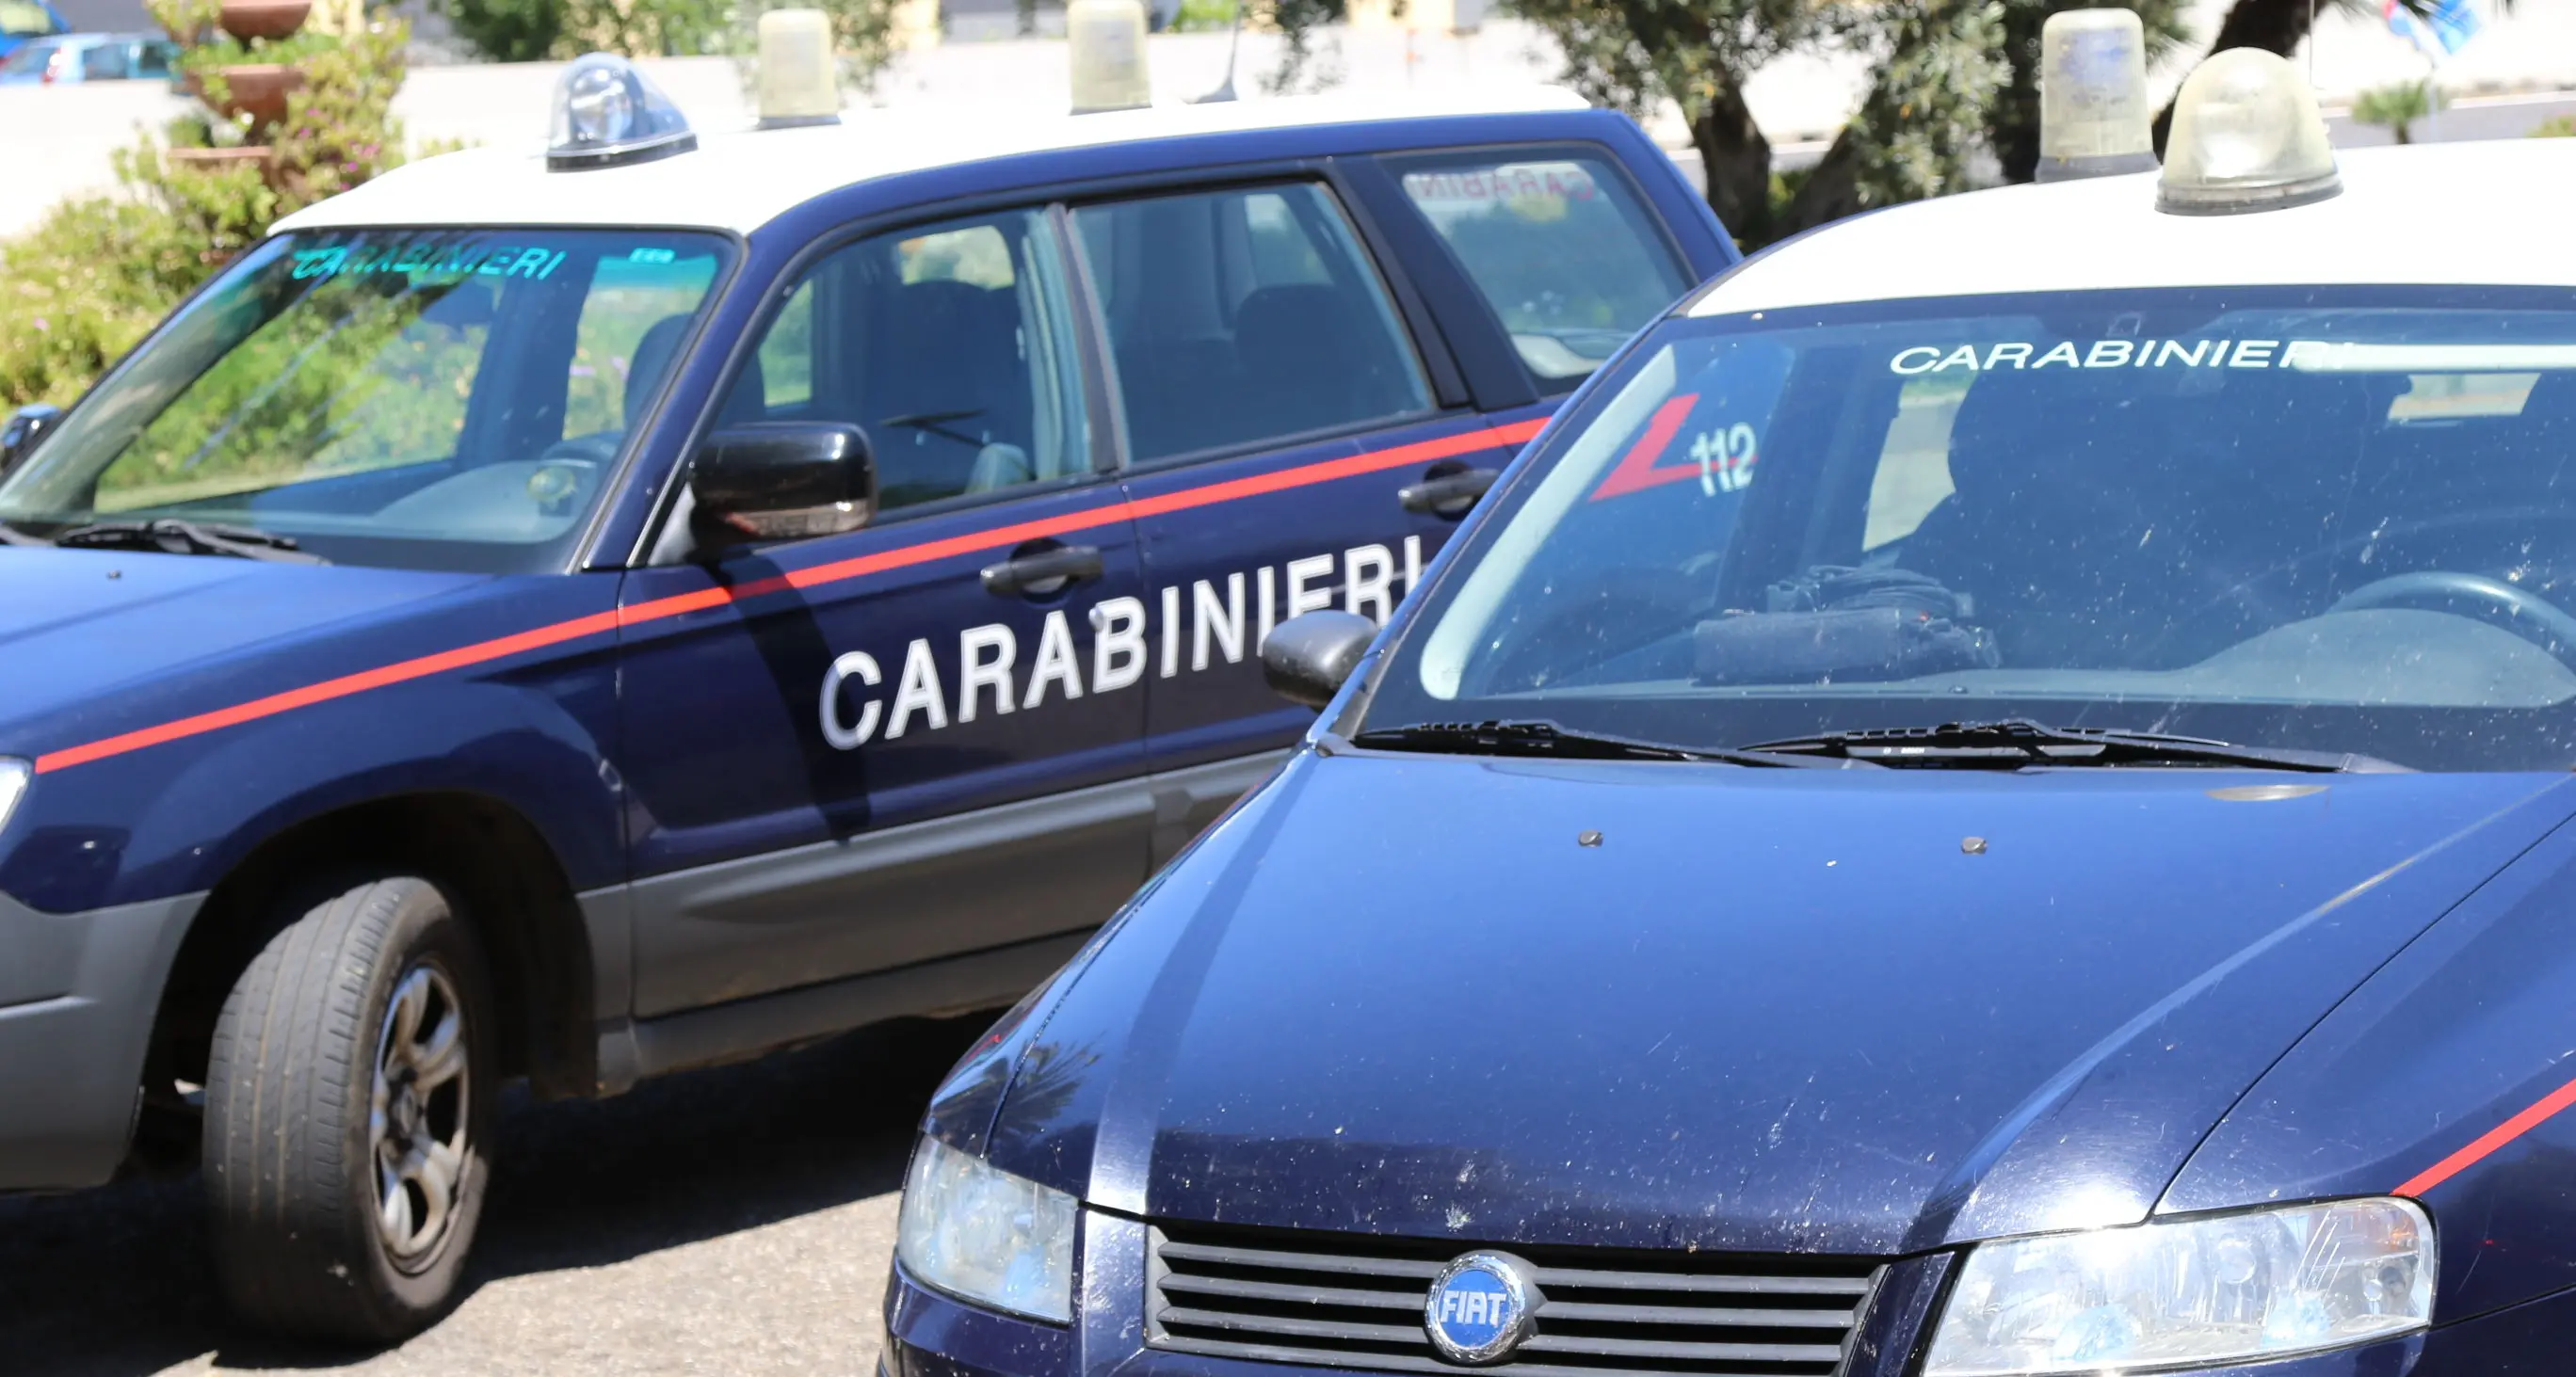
(97, 273)
(538, 30)
(2397, 107)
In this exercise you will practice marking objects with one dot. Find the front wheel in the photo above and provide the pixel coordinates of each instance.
(348, 1105)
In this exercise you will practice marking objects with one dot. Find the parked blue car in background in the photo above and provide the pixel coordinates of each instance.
(1992, 798)
(585, 616)
(72, 58)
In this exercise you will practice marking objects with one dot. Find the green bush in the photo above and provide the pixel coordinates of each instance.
(96, 274)
(2563, 127)
(2397, 108)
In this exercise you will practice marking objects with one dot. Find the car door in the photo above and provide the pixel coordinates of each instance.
(1315, 389)
(1274, 403)
(903, 742)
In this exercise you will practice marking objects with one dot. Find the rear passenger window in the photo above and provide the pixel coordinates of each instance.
(1242, 317)
(1570, 262)
(950, 346)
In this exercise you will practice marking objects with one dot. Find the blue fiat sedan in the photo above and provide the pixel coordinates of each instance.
(1990, 798)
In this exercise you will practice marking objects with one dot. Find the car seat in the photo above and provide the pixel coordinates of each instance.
(2052, 527)
(947, 356)
(654, 354)
(1311, 361)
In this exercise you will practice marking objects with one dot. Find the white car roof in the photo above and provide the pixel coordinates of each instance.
(2499, 213)
(741, 180)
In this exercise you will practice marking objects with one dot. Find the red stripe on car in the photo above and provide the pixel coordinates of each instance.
(973, 542)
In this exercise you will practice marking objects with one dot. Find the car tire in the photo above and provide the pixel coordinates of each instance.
(350, 1089)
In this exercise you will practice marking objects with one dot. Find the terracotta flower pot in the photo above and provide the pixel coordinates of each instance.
(257, 89)
(249, 19)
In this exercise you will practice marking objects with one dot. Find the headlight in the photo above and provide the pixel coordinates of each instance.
(14, 775)
(2196, 1292)
(984, 1235)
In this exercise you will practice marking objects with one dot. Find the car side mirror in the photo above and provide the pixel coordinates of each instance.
(782, 480)
(25, 427)
(1306, 658)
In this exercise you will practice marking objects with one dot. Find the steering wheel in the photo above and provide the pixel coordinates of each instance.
(2530, 611)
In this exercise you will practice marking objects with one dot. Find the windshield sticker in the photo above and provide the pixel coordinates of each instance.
(1720, 457)
(430, 258)
(1510, 182)
(2109, 353)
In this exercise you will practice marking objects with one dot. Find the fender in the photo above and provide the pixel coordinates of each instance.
(2443, 1077)
(175, 819)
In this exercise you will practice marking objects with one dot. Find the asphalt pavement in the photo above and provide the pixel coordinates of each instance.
(735, 1220)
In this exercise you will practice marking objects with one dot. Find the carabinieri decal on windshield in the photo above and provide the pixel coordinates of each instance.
(2304, 354)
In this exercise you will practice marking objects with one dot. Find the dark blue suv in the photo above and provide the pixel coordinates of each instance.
(582, 617)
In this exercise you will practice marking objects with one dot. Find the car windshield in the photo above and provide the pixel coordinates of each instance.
(30, 57)
(416, 399)
(2324, 519)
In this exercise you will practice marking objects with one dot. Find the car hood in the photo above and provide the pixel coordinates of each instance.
(1766, 1010)
(77, 625)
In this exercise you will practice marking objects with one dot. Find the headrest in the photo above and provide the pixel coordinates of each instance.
(1295, 324)
(652, 359)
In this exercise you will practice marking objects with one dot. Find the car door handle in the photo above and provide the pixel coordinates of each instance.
(1448, 494)
(1041, 572)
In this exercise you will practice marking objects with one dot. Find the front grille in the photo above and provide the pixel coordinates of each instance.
(1334, 1300)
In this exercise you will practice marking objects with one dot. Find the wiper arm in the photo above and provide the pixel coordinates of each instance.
(170, 535)
(1546, 739)
(11, 535)
(2019, 742)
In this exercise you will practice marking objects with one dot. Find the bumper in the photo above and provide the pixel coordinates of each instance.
(931, 1335)
(77, 996)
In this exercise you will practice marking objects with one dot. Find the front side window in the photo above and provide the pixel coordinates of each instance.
(949, 345)
(1560, 248)
(2328, 520)
(1243, 317)
(428, 399)
(29, 58)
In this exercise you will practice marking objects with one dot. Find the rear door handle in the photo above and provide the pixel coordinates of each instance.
(1448, 494)
(1042, 572)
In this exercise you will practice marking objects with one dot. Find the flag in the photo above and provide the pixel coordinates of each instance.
(2452, 24)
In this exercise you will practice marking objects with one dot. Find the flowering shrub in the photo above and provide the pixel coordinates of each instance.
(97, 273)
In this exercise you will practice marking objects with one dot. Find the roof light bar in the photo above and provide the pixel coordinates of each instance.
(2246, 137)
(608, 114)
(2093, 116)
(798, 83)
(1106, 41)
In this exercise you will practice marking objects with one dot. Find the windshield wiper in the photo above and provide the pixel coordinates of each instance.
(11, 535)
(1546, 739)
(170, 535)
(2019, 742)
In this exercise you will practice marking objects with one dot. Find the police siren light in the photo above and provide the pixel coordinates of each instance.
(1106, 40)
(2246, 137)
(607, 114)
(2093, 114)
(798, 83)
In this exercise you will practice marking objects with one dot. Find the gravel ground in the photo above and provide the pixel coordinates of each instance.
(733, 1220)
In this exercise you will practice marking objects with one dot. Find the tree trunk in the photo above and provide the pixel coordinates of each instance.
(1737, 160)
(2012, 128)
(1831, 190)
(2275, 26)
